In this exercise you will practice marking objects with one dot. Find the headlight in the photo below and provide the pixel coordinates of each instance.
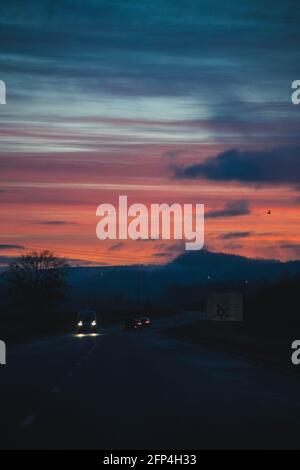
(80, 323)
(94, 323)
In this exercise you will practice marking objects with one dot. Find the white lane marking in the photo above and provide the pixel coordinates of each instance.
(28, 421)
(83, 358)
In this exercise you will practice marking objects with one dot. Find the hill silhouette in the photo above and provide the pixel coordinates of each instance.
(190, 268)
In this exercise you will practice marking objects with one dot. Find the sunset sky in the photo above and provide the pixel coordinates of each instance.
(160, 100)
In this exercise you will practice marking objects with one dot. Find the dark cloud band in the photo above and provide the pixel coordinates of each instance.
(275, 166)
(232, 209)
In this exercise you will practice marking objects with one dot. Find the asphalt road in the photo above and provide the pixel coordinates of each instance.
(141, 390)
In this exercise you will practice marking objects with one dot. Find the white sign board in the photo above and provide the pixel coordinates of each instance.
(225, 307)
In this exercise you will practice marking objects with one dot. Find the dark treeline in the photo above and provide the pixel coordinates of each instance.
(36, 298)
(273, 309)
(270, 308)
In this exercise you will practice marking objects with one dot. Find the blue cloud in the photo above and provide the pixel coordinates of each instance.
(231, 209)
(275, 166)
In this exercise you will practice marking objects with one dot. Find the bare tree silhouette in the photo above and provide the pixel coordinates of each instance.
(37, 280)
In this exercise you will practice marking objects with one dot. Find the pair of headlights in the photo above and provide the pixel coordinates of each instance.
(94, 323)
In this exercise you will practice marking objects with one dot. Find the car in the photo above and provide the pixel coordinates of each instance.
(146, 322)
(132, 325)
(87, 321)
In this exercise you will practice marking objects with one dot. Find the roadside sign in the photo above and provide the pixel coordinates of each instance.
(225, 307)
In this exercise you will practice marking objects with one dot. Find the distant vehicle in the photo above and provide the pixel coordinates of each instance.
(132, 325)
(146, 322)
(87, 321)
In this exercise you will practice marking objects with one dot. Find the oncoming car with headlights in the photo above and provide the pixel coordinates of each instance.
(87, 321)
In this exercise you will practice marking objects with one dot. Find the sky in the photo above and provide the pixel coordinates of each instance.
(161, 100)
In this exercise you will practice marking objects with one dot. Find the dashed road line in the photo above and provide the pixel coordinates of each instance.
(28, 421)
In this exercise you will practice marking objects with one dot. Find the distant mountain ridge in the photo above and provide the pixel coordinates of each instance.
(200, 264)
(187, 269)
(113, 284)
(222, 266)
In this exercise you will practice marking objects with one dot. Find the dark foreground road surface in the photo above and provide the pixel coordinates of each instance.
(139, 390)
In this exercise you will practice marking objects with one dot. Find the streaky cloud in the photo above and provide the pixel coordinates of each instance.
(231, 209)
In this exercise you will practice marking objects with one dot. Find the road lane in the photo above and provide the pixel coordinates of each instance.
(139, 390)
(32, 371)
